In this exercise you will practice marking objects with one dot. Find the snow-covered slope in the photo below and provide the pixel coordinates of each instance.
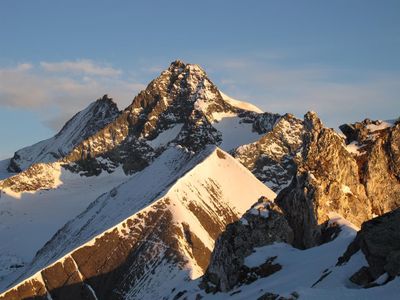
(29, 219)
(156, 229)
(84, 124)
(304, 274)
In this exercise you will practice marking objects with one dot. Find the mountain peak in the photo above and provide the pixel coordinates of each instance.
(177, 64)
(106, 100)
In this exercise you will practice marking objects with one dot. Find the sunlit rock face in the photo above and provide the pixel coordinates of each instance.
(180, 107)
(376, 147)
(327, 180)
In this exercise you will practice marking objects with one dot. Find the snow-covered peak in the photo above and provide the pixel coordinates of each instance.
(82, 125)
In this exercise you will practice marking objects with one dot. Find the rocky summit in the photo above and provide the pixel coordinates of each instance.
(188, 193)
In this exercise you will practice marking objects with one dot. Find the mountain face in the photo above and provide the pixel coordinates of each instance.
(173, 198)
(109, 250)
(271, 158)
(330, 177)
(376, 147)
(81, 126)
(182, 106)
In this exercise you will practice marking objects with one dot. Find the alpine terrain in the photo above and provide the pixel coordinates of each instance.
(188, 193)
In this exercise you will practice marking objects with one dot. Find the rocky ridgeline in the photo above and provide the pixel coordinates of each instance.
(80, 127)
(332, 177)
(328, 177)
(326, 180)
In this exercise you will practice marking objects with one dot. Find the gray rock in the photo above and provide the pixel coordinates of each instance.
(262, 225)
(379, 240)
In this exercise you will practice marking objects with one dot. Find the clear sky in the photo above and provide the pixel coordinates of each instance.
(339, 58)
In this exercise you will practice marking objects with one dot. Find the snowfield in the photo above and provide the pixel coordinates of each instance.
(28, 220)
(301, 271)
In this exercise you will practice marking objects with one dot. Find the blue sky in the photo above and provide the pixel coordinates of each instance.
(339, 58)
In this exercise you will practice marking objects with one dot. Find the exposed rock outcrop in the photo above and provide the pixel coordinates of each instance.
(326, 180)
(262, 225)
(376, 147)
(271, 158)
(379, 240)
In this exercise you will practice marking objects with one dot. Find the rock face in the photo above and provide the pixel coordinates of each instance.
(379, 240)
(262, 225)
(326, 180)
(376, 147)
(181, 106)
(81, 126)
(271, 158)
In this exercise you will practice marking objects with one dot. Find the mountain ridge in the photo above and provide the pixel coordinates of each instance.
(177, 206)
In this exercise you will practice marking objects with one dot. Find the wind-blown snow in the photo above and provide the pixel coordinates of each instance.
(240, 104)
(382, 125)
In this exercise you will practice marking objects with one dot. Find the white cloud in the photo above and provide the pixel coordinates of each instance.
(57, 96)
(337, 95)
(84, 66)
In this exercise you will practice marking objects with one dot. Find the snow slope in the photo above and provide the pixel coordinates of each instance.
(302, 272)
(180, 202)
(29, 219)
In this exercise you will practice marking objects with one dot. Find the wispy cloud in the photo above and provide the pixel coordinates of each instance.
(338, 95)
(56, 94)
(84, 66)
